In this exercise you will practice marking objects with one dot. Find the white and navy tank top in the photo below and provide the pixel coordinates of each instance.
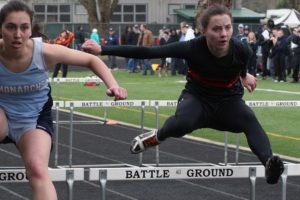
(23, 95)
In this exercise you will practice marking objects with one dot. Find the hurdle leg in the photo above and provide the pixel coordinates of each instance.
(58, 88)
(225, 148)
(103, 181)
(142, 130)
(71, 136)
(156, 125)
(252, 178)
(284, 182)
(56, 137)
(70, 182)
(237, 148)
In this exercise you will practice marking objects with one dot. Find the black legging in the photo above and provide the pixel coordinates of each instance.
(57, 68)
(279, 63)
(229, 115)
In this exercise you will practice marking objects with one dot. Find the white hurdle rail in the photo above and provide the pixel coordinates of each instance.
(72, 80)
(100, 104)
(68, 175)
(103, 173)
(256, 104)
(56, 106)
(252, 172)
(253, 104)
(157, 104)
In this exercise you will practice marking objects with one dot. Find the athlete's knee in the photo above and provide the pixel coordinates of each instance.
(36, 170)
(248, 117)
(185, 125)
(3, 124)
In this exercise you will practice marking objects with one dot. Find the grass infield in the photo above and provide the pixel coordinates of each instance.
(281, 124)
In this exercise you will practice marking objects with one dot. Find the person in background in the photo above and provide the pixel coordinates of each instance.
(241, 33)
(25, 109)
(187, 33)
(197, 32)
(79, 37)
(127, 38)
(163, 67)
(145, 40)
(65, 38)
(266, 44)
(246, 30)
(110, 40)
(295, 49)
(174, 65)
(95, 36)
(213, 94)
(37, 32)
(252, 66)
(133, 64)
(279, 52)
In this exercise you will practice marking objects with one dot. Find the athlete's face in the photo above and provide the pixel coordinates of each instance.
(218, 34)
(16, 29)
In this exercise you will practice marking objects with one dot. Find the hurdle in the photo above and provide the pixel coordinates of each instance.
(68, 175)
(56, 106)
(257, 104)
(253, 104)
(100, 104)
(252, 172)
(58, 81)
(157, 104)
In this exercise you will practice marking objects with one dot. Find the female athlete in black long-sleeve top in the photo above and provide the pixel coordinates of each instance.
(212, 97)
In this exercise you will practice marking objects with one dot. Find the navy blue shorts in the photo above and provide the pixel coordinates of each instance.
(17, 128)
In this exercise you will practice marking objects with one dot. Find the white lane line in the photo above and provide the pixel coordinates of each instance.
(10, 153)
(111, 191)
(13, 193)
(277, 91)
(213, 190)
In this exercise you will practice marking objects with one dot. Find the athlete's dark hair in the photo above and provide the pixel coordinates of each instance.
(13, 6)
(215, 9)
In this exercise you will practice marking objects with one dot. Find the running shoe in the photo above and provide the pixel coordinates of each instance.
(274, 169)
(143, 141)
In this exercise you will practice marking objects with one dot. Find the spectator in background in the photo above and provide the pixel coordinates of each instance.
(241, 33)
(174, 37)
(295, 49)
(37, 32)
(132, 62)
(266, 44)
(79, 37)
(252, 66)
(246, 30)
(65, 38)
(94, 36)
(110, 40)
(187, 33)
(145, 39)
(164, 64)
(197, 32)
(127, 39)
(279, 53)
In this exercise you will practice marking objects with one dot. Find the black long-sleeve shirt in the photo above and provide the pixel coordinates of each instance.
(207, 74)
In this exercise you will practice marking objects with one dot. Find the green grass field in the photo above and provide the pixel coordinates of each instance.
(281, 124)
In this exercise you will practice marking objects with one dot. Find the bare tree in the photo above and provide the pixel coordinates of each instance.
(203, 4)
(294, 4)
(99, 13)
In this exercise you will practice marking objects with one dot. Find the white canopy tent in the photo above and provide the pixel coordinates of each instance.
(290, 19)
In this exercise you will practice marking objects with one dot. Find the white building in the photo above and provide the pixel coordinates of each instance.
(127, 12)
